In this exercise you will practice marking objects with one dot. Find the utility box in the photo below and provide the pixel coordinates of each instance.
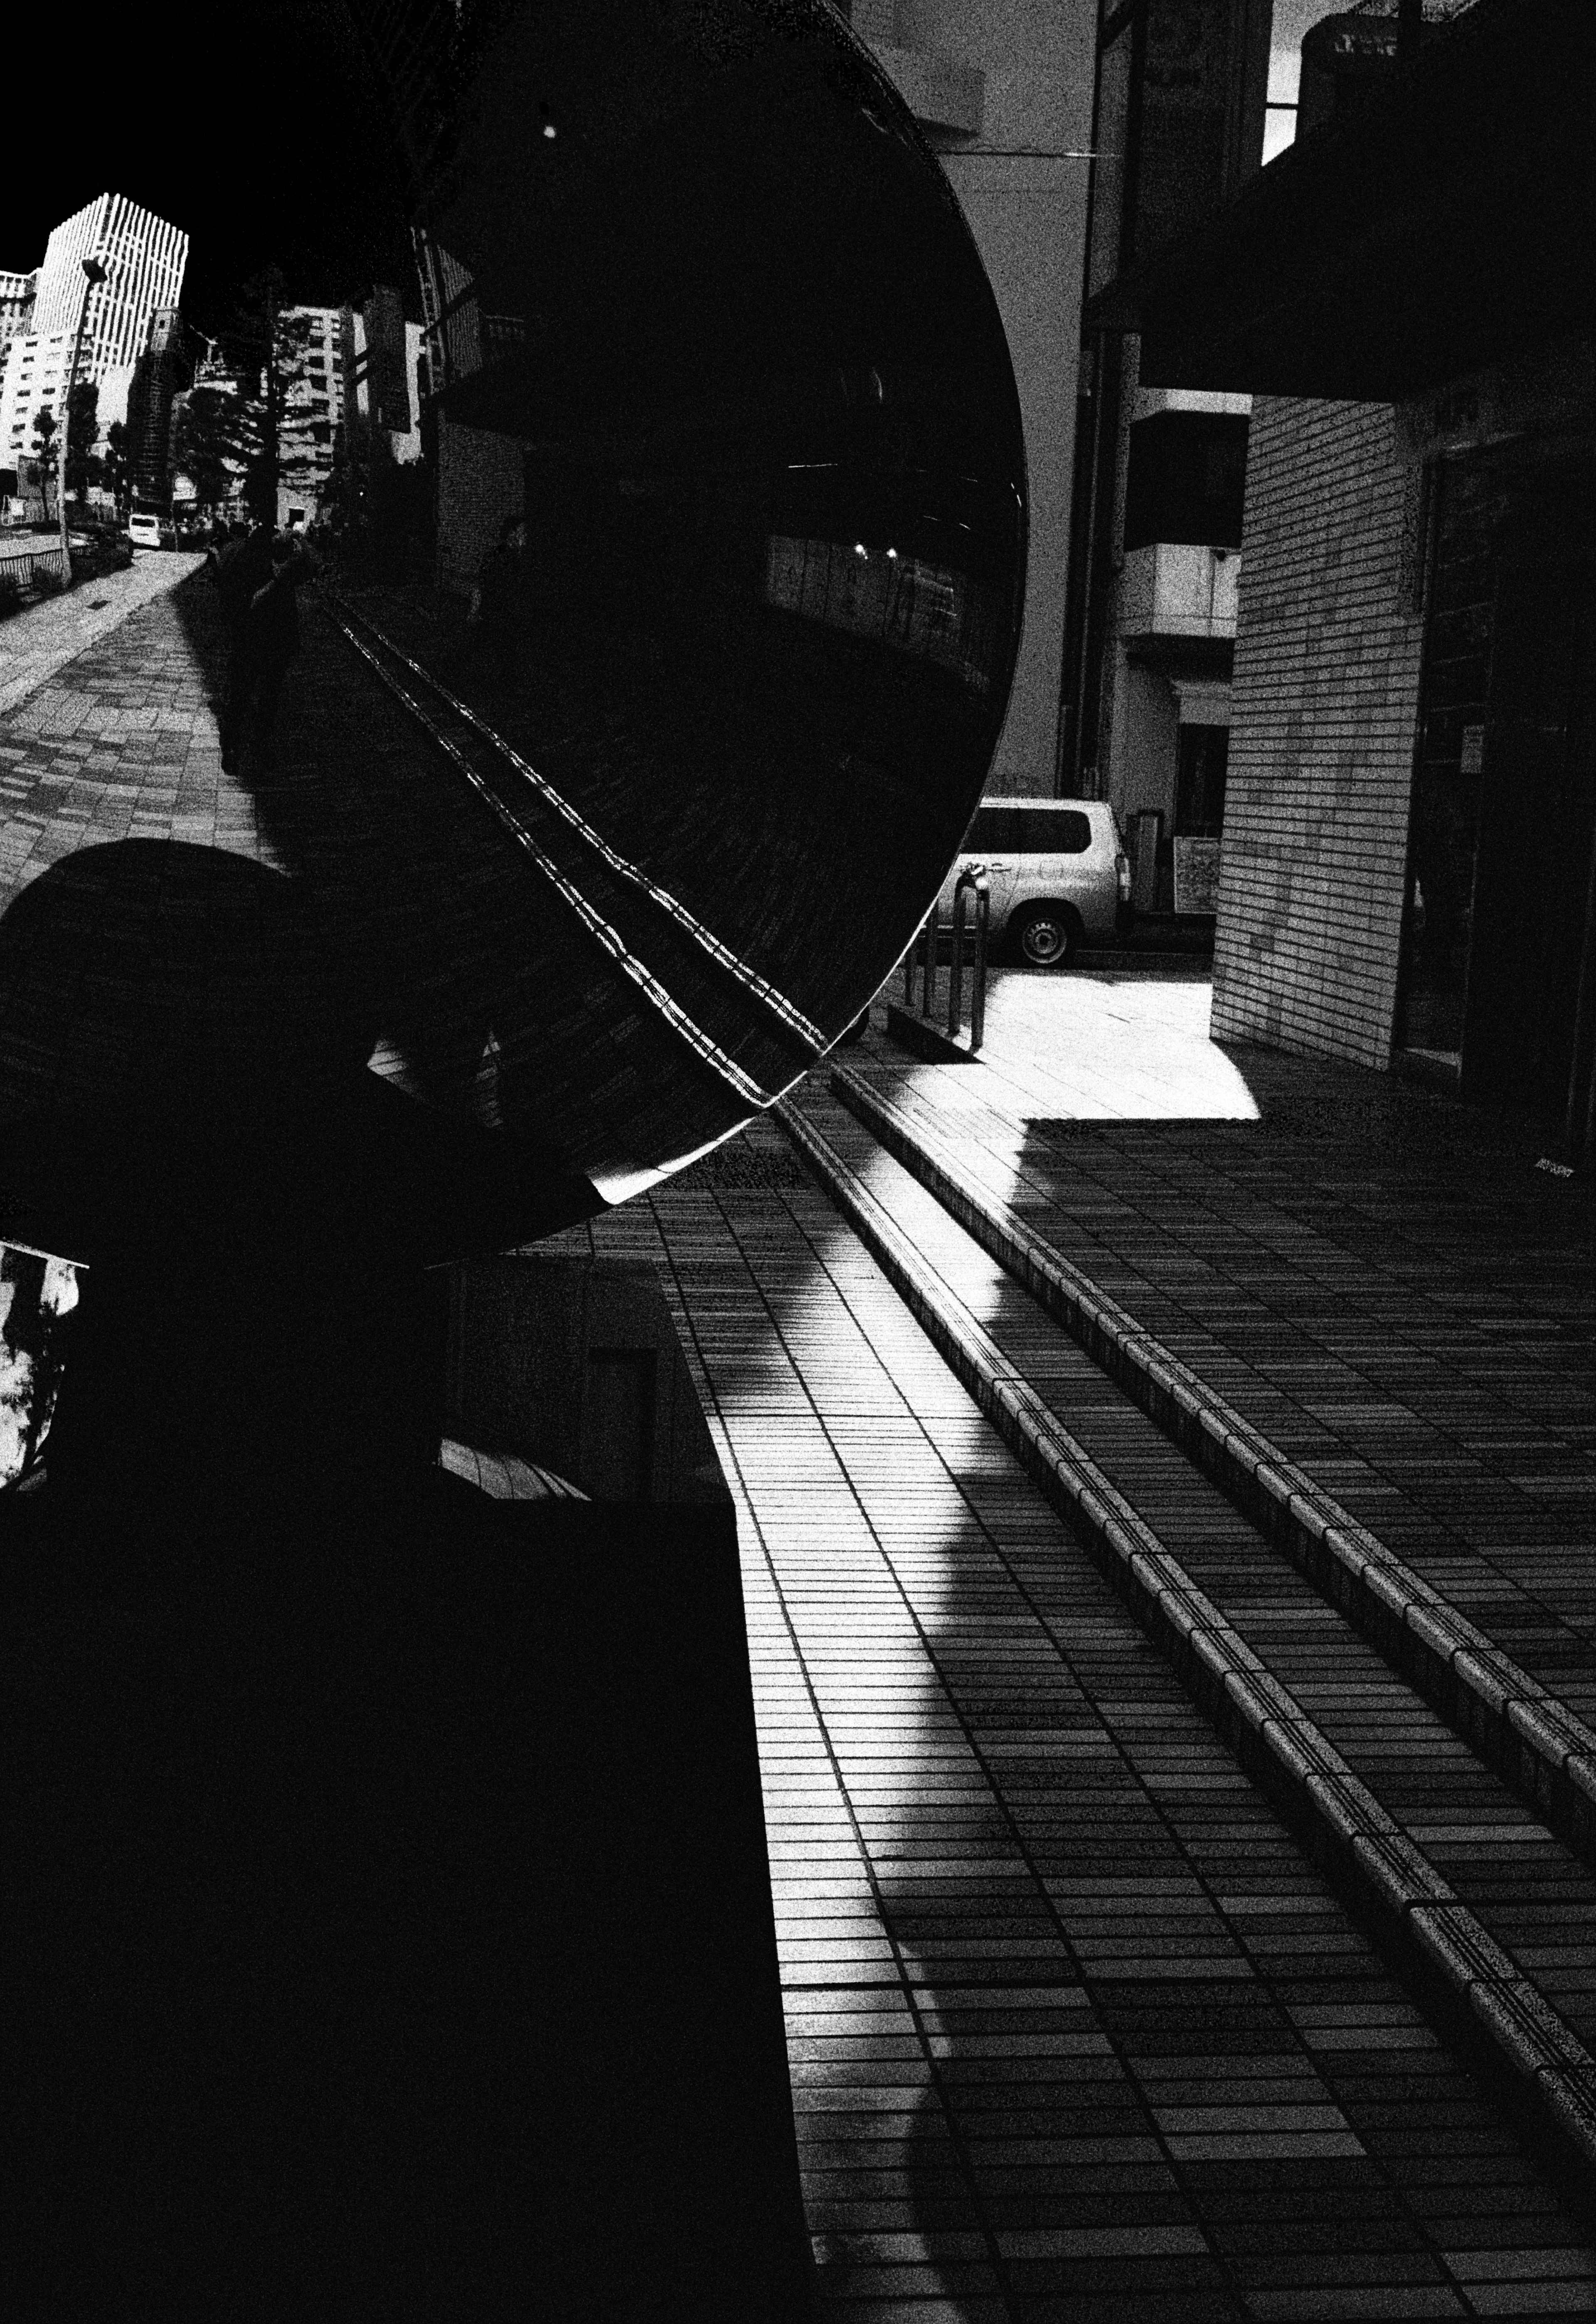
(1146, 836)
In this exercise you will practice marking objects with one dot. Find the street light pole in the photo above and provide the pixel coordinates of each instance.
(93, 272)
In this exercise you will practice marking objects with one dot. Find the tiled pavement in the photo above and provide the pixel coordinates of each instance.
(38, 642)
(903, 1591)
(1522, 1883)
(1381, 1280)
(1076, 2029)
(115, 736)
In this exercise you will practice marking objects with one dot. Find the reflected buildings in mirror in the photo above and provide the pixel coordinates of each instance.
(37, 1294)
(676, 519)
(728, 533)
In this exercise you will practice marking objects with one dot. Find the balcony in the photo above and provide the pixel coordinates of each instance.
(1446, 224)
(1174, 589)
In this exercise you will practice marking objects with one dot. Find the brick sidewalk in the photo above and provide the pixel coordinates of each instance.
(1378, 1279)
(37, 642)
(116, 737)
(1076, 2030)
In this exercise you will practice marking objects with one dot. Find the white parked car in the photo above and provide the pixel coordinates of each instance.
(1058, 874)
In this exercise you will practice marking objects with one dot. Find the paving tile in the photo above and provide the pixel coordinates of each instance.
(1306, 1259)
(1089, 1922)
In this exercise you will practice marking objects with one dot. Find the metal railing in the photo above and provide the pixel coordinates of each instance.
(924, 952)
(22, 565)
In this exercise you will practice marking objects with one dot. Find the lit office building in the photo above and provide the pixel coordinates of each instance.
(349, 397)
(143, 257)
(164, 369)
(315, 397)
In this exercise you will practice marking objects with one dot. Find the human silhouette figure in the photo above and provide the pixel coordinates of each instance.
(258, 578)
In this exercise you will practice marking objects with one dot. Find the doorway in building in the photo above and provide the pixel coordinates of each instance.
(1498, 939)
(1199, 816)
(1532, 899)
(1199, 781)
(1437, 934)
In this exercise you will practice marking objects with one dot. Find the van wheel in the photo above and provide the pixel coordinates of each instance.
(1045, 936)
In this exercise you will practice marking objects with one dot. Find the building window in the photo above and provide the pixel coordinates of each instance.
(1029, 831)
(1186, 479)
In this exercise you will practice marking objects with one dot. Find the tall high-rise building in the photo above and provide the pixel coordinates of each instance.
(347, 398)
(145, 258)
(164, 369)
(314, 402)
(383, 383)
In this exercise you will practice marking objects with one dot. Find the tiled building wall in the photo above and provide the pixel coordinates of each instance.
(1324, 706)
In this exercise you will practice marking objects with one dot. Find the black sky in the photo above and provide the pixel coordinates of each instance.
(251, 123)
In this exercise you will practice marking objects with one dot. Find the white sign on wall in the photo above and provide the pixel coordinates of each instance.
(1196, 875)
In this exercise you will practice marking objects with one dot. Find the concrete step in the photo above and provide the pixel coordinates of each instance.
(1527, 1733)
(1482, 1910)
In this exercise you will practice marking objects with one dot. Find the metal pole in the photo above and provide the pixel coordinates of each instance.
(928, 966)
(955, 966)
(1094, 486)
(978, 988)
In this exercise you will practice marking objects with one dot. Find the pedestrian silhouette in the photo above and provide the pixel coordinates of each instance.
(257, 579)
(498, 605)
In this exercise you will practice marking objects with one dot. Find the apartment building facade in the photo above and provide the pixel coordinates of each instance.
(1402, 291)
(144, 257)
(164, 369)
(316, 396)
(16, 304)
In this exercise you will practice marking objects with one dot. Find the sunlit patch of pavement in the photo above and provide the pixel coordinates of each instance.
(37, 642)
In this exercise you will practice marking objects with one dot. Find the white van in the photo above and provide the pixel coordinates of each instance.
(143, 530)
(1057, 875)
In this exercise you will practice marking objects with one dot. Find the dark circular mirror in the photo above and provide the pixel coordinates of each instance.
(616, 476)
(648, 424)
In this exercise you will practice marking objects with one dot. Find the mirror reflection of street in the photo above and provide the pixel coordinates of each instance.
(37, 1296)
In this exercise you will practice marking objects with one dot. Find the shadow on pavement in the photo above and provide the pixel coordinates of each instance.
(374, 860)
